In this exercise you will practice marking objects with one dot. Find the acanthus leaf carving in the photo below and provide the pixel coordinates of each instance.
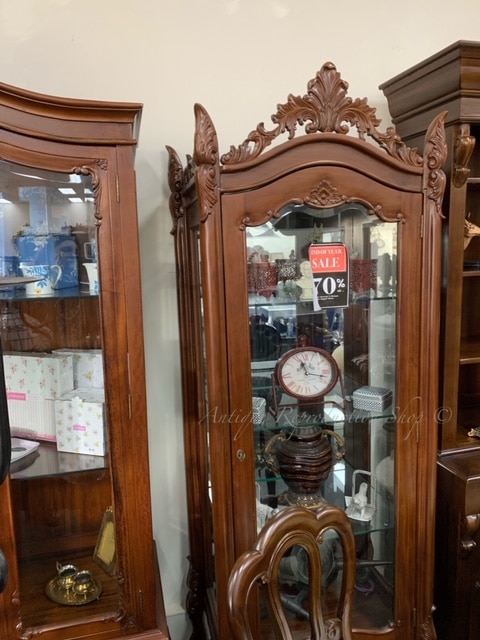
(326, 108)
(96, 184)
(435, 155)
(205, 158)
(324, 195)
(464, 145)
(176, 181)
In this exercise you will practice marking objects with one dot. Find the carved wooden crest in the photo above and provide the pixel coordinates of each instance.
(326, 108)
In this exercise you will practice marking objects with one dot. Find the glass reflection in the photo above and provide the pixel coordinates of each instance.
(51, 338)
(325, 280)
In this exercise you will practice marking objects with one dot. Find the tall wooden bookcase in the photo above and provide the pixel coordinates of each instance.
(450, 80)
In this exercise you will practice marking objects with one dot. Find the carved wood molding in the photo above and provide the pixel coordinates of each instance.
(176, 182)
(194, 600)
(325, 195)
(434, 157)
(428, 629)
(464, 145)
(326, 108)
(205, 158)
(102, 165)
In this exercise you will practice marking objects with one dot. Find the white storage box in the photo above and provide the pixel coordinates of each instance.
(87, 367)
(31, 418)
(33, 381)
(80, 422)
(372, 398)
(38, 375)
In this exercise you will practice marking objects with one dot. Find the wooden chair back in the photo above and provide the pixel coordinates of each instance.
(292, 530)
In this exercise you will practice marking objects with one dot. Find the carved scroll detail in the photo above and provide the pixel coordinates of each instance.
(464, 145)
(176, 181)
(325, 195)
(206, 160)
(325, 109)
(96, 185)
(194, 601)
(428, 629)
(434, 158)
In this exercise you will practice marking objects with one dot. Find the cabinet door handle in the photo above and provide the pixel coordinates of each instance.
(5, 442)
(469, 527)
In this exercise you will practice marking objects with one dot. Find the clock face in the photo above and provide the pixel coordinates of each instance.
(307, 372)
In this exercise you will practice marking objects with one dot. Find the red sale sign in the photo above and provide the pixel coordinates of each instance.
(329, 263)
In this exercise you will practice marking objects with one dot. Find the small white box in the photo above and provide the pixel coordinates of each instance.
(31, 418)
(38, 375)
(87, 367)
(80, 422)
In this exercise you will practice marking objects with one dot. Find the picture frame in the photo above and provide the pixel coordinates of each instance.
(105, 549)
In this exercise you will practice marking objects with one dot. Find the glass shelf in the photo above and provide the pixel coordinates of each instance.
(71, 292)
(47, 461)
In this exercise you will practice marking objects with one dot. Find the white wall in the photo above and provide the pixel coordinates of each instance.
(239, 58)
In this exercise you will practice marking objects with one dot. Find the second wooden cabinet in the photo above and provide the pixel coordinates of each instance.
(75, 511)
(316, 259)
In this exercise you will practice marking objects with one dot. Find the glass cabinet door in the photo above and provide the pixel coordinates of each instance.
(60, 482)
(322, 308)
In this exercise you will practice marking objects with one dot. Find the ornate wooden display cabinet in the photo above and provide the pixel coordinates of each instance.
(450, 80)
(75, 508)
(308, 288)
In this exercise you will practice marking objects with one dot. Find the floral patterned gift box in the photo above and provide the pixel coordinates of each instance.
(33, 381)
(80, 422)
(43, 375)
(87, 367)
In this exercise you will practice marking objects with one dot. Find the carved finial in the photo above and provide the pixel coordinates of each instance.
(205, 158)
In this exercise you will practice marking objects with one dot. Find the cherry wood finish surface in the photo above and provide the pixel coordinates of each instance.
(57, 517)
(215, 199)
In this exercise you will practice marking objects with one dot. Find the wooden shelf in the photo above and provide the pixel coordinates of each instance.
(470, 351)
(47, 461)
(39, 611)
